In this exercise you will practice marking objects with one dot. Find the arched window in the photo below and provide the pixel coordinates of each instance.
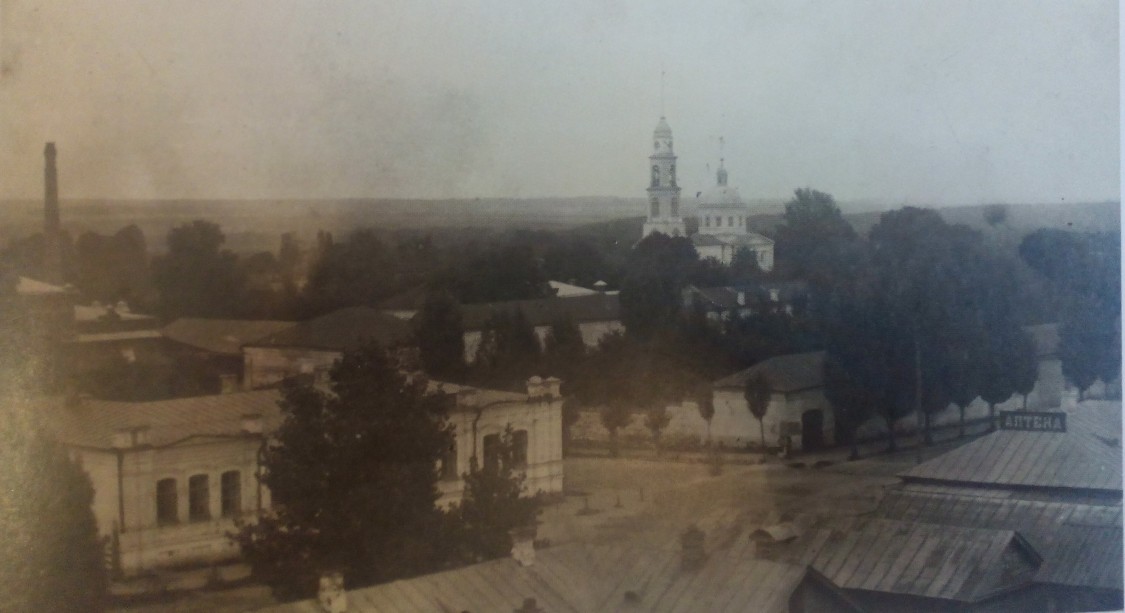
(166, 502)
(675, 205)
(231, 493)
(199, 498)
(655, 204)
(655, 176)
(672, 175)
(519, 449)
(491, 452)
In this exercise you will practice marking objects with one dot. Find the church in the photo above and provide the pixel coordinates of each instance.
(723, 216)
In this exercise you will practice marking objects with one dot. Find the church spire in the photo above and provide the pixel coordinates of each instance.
(721, 175)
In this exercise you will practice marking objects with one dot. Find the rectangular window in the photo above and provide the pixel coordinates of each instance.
(706, 221)
(519, 449)
(166, 502)
(730, 221)
(449, 463)
(199, 498)
(492, 453)
(232, 493)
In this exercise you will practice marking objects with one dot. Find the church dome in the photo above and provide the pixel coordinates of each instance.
(722, 196)
(662, 129)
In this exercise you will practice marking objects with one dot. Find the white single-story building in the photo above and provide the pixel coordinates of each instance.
(171, 477)
(797, 407)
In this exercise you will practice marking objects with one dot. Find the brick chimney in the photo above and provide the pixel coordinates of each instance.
(52, 226)
(331, 595)
(535, 388)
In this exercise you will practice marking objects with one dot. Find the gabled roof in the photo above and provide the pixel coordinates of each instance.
(545, 311)
(222, 336)
(92, 423)
(342, 330)
(1083, 458)
(784, 373)
(587, 579)
(1081, 544)
(920, 559)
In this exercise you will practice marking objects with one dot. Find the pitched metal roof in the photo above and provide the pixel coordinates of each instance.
(222, 336)
(1082, 458)
(342, 330)
(784, 373)
(545, 311)
(92, 423)
(585, 579)
(919, 559)
(1080, 544)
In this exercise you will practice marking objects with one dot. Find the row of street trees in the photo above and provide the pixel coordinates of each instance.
(927, 320)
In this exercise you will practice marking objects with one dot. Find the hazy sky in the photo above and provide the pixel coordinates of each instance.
(924, 102)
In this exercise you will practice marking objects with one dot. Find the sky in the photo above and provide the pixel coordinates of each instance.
(895, 101)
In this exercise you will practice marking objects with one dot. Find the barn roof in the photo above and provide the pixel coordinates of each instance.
(920, 559)
(1085, 457)
(1080, 544)
(341, 330)
(545, 311)
(222, 336)
(587, 578)
(784, 373)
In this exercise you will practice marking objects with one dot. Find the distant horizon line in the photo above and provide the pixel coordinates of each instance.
(877, 205)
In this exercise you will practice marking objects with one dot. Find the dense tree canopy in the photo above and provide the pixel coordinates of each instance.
(197, 277)
(440, 334)
(353, 476)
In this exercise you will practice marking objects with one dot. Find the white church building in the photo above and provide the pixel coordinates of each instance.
(723, 216)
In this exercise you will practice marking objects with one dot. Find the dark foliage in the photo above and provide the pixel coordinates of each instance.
(439, 332)
(493, 505)
(197, 277)
(353, 478)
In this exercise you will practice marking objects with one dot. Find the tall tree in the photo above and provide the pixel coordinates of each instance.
(509, 350)
(563, 348)
(654, 278)
(816, 242)
(52, 559)
(440, 333)
(757, 396)
(353, 476)
(197, 277)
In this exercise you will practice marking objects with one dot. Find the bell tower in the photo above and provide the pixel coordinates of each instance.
(663, 191)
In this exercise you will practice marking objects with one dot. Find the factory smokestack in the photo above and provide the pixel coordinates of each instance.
(52, 230)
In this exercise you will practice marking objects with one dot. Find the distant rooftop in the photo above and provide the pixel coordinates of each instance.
(545, 311)
(342, 330)
(222, 336)
(784, 373)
